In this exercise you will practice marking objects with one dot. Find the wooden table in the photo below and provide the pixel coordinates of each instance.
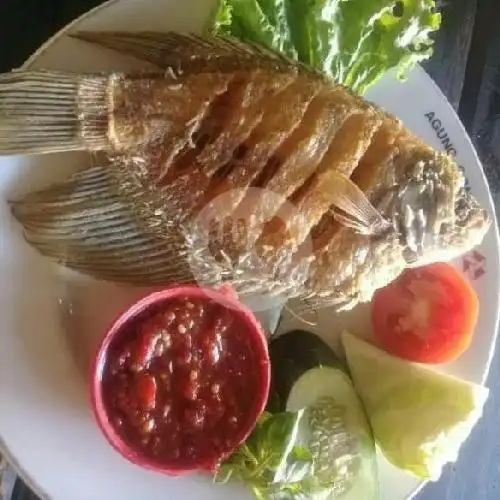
(466, 66)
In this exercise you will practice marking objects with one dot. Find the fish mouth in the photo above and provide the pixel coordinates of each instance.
(471, 220)
(437, 218)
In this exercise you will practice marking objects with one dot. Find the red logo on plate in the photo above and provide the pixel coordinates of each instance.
(474, 265)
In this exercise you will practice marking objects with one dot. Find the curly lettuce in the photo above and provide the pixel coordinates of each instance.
(354, 42)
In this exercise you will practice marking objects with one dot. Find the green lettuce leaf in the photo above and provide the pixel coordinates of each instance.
(272, 463)
(354, 42)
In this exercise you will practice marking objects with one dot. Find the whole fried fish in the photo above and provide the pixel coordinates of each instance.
(231, 163)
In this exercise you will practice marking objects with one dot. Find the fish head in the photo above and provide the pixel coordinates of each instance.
(437, 218)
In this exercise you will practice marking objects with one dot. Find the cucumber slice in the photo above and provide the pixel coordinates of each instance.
(307, 375)
(336, 431)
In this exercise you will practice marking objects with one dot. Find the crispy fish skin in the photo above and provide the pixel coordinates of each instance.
(433, 219)
(368, 198)
(82, 223)
(51, 111)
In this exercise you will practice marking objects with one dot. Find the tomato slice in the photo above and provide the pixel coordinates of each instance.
(427, 314)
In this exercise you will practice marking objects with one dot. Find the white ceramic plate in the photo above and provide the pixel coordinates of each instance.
(51, 318)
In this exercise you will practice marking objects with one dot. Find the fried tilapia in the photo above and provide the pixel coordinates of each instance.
(232, 164)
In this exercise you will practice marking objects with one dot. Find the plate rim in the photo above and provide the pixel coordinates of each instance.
(493, 215)
(5, 452)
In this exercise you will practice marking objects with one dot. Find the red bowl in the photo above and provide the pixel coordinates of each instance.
(225, 297)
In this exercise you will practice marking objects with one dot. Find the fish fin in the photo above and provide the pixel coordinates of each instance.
(160, 49)
(44, 112)
(352, 208)
(307, 305)
(187, 51)
(84, 225)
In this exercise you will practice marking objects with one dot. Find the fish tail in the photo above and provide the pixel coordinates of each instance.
(44, 112)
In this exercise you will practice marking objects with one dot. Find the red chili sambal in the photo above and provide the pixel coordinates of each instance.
(180, 382)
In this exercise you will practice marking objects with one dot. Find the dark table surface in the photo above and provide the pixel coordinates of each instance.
(466, 66)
